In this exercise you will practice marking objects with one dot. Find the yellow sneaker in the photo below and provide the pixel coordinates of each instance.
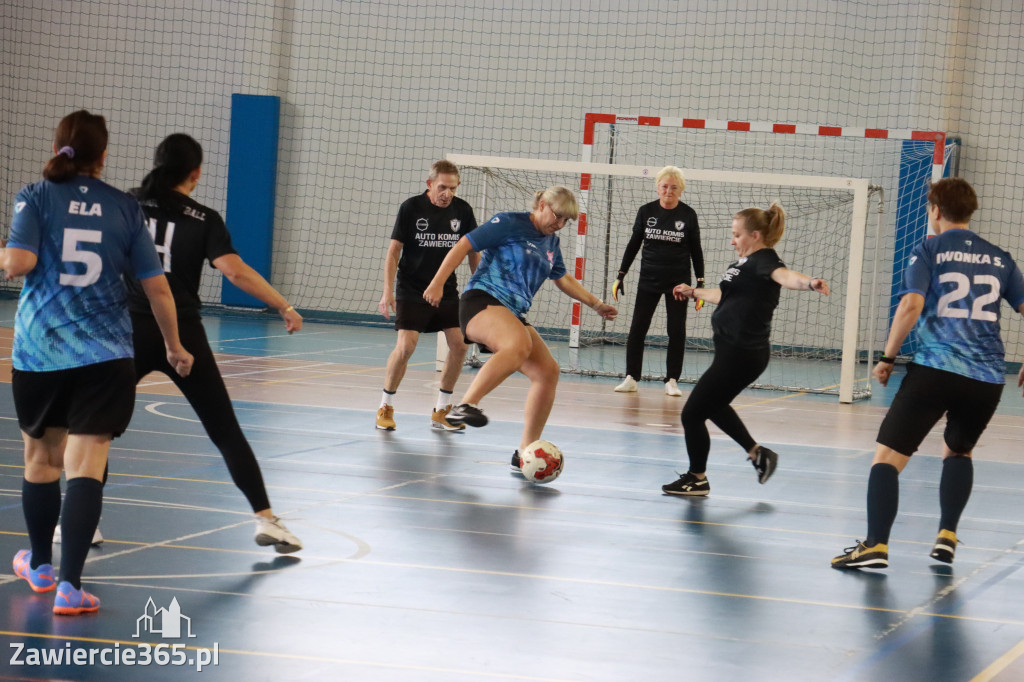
(945, 547)
(438, 420)
(862, 556)
(386, 418)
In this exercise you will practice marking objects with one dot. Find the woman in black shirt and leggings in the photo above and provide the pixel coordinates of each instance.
(746, 300)
(668, 231)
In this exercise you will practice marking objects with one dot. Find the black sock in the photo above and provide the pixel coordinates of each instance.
(41, 504)
(83, 502)
(883, 502)
(954, 490)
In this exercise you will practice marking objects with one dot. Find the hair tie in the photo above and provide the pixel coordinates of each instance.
(67, 151)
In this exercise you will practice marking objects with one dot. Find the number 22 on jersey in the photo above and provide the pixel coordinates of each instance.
(962, 290)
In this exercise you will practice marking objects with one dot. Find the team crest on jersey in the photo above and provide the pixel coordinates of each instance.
(18, 206)
(551, 257)
(680, 225)
(456, 224)
(422, 224)
(651, 222)
(913, 259)
(83, 189)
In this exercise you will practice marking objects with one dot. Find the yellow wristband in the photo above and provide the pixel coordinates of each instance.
(291, 307)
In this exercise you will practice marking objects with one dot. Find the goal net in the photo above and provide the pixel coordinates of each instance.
(819, 344)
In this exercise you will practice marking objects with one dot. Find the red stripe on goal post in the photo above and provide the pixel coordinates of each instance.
(742, 126)
(582, 225)
(833, 131)
(580, 265)
(590, 121)
(783, 128)
(693, 123)
(577, 310)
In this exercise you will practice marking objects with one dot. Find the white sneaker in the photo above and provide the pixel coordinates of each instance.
(274, 532)
(672, 388)
(628, 385)
(97, 537)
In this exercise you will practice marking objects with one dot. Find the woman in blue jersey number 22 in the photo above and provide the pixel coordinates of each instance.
(520, 251)
(73, 237)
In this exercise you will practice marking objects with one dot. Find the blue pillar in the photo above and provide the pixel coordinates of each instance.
(911, 216)
(252, 181)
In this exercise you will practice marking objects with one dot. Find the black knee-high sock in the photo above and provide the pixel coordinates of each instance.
(41, 504)
(954, 490)
(83, 502)
(883, 502)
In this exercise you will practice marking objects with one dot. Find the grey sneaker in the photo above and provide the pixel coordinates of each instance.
(274, 532)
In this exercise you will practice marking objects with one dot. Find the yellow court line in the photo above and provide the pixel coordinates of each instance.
(1000, 664)
(477, 674)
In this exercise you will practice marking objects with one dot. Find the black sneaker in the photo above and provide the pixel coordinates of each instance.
(764, 463)
(516, 465)
(862, 556)
(688, 484)
(467, 414)
(945, 547)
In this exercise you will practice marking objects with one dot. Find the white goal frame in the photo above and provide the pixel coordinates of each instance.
(859, 187)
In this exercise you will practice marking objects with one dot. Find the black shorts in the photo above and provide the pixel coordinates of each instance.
(93, 400)
(415, 314)
(471, 304)
(928, 393)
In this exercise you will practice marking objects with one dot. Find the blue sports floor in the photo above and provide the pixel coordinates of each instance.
(425, 559)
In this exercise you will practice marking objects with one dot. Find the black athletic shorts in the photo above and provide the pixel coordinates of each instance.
(92, 400)
(415, 314)
(928, 393)
(472, 303)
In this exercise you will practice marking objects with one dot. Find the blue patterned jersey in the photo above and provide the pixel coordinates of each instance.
(962, 278)
(72, 311)
(516, 260)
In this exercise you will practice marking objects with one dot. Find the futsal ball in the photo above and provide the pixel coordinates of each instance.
(541, 462)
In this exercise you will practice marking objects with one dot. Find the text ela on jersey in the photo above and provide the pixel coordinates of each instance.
(83, 208)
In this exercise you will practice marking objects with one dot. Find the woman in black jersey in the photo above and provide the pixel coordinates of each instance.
(186, 234)
(670, 235)
(746, 300)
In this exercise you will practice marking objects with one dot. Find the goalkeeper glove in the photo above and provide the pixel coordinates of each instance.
(619, 287)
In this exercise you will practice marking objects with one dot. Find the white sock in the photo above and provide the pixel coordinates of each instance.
(444, 399)
(387, 399)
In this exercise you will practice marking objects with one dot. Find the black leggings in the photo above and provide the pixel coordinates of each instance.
(643, 313)
(732, 370)
(205, 391)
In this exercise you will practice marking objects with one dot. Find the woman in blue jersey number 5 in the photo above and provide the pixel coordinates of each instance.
(520, 252)
(73, 237)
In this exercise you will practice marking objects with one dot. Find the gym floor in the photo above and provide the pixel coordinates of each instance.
(425, 559)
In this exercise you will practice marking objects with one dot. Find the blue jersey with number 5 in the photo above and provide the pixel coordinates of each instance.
(72, 311)
(963, 279)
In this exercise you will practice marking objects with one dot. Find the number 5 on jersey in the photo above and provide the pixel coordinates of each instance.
(72, 254)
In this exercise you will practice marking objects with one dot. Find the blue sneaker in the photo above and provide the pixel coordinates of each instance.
(72, 602)
(40, 579)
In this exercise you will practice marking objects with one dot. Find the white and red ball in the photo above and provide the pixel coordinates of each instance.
(541, 462)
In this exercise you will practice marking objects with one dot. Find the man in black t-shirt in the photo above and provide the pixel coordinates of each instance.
(427, 227)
